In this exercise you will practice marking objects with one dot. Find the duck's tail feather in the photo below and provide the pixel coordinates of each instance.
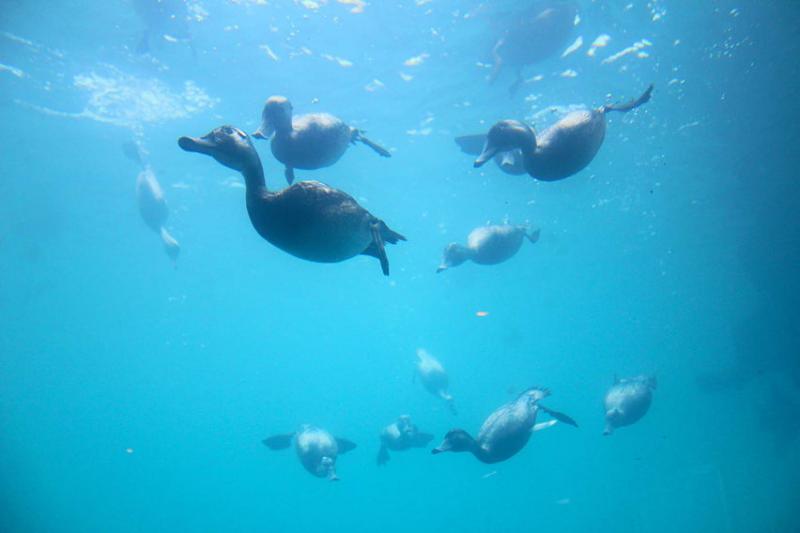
(389, 235)
(633, 104)
(383, 152)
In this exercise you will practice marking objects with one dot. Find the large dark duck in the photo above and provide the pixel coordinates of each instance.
(563, 149)
(506, 431)
(308, 141)
(402, 434)
(309, 219)
(488, 245)
(316, 448)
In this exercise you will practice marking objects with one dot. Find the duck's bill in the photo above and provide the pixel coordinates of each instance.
(487, 153)
(443, 447)
(264, 132)
(195, 144)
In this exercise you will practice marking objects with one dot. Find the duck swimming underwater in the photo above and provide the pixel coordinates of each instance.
(309, 219)
(316, 448)
(506, 431)
(154, 211)
(627, 401)
(532, 36)
(402, 434)
(563, 149)
(487, 245)
(434, 377)
(308, 141)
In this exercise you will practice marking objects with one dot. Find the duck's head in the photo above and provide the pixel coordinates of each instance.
(228, 145)
(453, 255)
(456, 440)
(613, 418)
(505, 136)
(276, 116)
(327, 469)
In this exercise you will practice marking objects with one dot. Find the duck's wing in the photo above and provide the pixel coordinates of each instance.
(471, 144)
(278, 442)
(345, 445)
(421, 440)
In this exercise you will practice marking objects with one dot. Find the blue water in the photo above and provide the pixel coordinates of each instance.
(134, 396)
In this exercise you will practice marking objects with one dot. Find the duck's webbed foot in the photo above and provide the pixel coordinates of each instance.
(383, 152)
(514, 87)
(377, 249)
(289, 173)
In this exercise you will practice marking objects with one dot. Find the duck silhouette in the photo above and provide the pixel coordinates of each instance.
(309, 219)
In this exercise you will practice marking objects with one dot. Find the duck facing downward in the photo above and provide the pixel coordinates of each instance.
(316, 448)
(506, 431)
(627, 401)
(402, 434)
(309, 220)
(563, 149)
(154, 211)
(434, 377)
(308, 141)
(487, 245)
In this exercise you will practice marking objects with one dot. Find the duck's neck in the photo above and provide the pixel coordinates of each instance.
(283, 125)
(460, 253)
(254, 179)
(479, 452)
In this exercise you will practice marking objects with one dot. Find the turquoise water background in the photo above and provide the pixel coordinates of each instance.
(134, 395)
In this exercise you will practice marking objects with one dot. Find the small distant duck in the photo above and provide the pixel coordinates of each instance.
(308, 141)
(401, 435)
(309, 219)
(531, 36)
(563, 149)
(487, 245)
(154, 211)
(434, 377)
(316, 448)
(627, 401)
(506, 431)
